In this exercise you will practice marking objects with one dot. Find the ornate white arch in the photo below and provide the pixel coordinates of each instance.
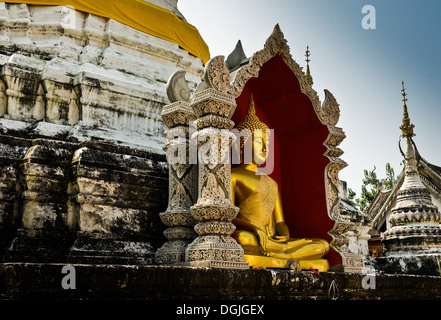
(328, 113)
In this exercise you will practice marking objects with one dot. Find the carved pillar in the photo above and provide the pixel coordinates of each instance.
(214, 106)
(182, 185)
(24, 91)
(62, 96)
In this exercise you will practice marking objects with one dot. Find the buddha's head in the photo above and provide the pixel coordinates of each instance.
(255, 132)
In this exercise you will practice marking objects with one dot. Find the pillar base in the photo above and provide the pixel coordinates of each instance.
(218, 264)
(172, 252)
(216, 251)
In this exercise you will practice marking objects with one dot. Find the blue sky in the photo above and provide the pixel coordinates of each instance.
(362, 68)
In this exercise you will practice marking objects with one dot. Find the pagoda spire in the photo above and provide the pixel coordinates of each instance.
(308, 72)
(406, 127)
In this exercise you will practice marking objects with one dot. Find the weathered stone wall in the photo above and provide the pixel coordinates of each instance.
(77, 76)
(102, 199)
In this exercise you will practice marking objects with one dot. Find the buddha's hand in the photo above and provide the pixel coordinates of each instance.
(263, 238)
(281, 238)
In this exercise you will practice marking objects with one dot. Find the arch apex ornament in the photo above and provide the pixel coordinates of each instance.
(276, 44)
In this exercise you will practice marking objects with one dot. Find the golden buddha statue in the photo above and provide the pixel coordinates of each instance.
(260, 225)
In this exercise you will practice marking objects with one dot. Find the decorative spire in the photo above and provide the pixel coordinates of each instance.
(406, 127)
(308, 72)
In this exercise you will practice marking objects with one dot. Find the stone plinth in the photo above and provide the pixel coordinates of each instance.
(176, 285)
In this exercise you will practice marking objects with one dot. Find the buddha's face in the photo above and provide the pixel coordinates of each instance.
(260, 146)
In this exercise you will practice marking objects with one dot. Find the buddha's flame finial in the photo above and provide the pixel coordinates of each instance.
(308, 72)
(250, 123)
(251, 108)
(406, 127)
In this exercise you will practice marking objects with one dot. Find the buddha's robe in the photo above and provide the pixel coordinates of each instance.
(258, 210)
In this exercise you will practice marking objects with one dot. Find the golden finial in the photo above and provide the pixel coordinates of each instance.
(406, 127)
(308, 73)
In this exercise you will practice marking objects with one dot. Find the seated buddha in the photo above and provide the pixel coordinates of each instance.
(260, 225)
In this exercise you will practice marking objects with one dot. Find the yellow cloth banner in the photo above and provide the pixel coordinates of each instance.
(143, 16)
